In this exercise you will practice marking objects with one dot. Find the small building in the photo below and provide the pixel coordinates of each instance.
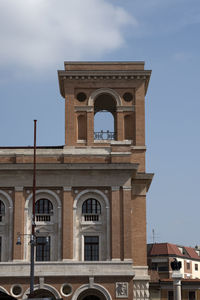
(91, 194)
(160, 256)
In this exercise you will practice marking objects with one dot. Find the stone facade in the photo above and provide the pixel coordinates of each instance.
(91, 194)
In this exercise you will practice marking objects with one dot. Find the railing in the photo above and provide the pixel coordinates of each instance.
(43, 218)
(104, 135)
(91, 218)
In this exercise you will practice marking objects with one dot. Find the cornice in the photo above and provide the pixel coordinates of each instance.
(105, 75)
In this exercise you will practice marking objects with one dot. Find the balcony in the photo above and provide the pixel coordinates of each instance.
(104, 135)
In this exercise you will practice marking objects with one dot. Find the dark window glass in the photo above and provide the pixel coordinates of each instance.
(196, 267)
(170, 295)
(91, 206)
(154, 266)
(43, 210)
(2, 210)
(163, 268)
(188, 266)
(42, 248)
(191, 295)
(91, 248)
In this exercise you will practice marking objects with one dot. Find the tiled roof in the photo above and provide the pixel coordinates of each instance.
(164, 249)
(171, 249)
(192, 253)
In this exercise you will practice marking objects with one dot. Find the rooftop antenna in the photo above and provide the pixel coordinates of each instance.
(153, 235)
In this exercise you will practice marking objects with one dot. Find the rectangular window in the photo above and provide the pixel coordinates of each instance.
(42, 248)
(170, 295)
(188, 266)
(91, 248)
(192, 296)
(196, 267)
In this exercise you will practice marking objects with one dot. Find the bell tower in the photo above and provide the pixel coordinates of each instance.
(109, 167)
(117, 87)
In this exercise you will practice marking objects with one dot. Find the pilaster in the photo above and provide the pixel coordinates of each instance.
(70, 132)
(140, 115)
(18, 223)
(120, 126)
(115, 224)
(126, 222)
(67, 232)
(90, 128)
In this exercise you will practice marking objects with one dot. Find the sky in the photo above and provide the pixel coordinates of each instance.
(37, 36)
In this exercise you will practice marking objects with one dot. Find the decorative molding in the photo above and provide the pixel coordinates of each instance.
(139, 147)
(139, 189)
(115, 188)
(84, 108)
(7, 227)
(121, 289)
(78, 243)
(91, 282)
(41, 282)
(3, 290)
(105, 75)
(104, 91)
(125, 108)
(19, 188)
(140, 290)
(68, 268)
(85, 287)
(47, 287)
(126, 188)
(67, 188)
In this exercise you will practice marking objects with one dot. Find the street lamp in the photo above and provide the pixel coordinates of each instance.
(33, 243)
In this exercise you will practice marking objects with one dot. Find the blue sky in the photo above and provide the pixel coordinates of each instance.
(37, 36)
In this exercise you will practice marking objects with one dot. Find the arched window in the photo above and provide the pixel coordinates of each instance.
(2, 211)
(105, 117)
(91, 209)
(43, 210)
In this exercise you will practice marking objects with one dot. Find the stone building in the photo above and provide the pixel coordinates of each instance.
(91, 194)
(159, 258)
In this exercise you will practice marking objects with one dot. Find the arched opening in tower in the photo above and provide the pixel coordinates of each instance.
(105, 117)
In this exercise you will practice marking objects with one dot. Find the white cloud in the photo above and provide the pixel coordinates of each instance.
(40, 33)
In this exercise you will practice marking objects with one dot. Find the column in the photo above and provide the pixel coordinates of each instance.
(140, 115)
(18, 223)
(67, 219)
(120, 126)
(70, 132)
(90, 127)
(127, 238)
(177, 276)
(138, 207)
(115, 224)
